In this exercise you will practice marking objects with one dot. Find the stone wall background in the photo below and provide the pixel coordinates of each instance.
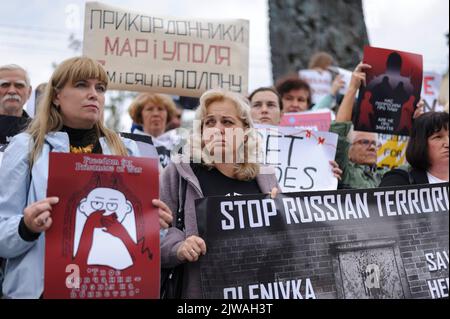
(299, 28)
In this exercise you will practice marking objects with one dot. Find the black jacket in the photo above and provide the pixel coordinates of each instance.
(12, 125)
(398, 177)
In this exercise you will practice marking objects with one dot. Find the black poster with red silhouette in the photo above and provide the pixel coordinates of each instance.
(104, 239)
(388, 101)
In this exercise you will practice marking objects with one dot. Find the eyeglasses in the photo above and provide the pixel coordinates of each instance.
(366, 142)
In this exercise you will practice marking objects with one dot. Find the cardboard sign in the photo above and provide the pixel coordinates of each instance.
(143, 52)
(385, 243)
(387, 103)
(104, 240)
(290, 150)
(312, 120)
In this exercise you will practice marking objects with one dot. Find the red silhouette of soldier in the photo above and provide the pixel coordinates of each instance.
(407, 115)
(365, 111)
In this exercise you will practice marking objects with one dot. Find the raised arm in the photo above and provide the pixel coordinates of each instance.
(358, 78)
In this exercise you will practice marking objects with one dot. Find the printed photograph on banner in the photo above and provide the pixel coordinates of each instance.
(311, 120)
(104, 240)
(172, 55)
(388, 101)
(290, 150)
(431, 85)
(353, 244)
(392, 150)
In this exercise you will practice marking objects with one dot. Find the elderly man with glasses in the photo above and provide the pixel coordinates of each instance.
(357, 150)
(360, 166)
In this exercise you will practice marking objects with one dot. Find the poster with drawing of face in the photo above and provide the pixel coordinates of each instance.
(104, 240)
(113, 204)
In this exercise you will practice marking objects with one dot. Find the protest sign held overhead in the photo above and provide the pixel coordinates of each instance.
(389, 243)
(186, 57)
(289, 150)
(387, 103)
(104, 239)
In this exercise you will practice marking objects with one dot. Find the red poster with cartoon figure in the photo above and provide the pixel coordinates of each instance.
(388, 101)
(104, 240)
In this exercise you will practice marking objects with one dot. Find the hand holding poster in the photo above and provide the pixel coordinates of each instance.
(387, 103)
(291, 150)
(386, 243)
(104, 239)
(178, 56)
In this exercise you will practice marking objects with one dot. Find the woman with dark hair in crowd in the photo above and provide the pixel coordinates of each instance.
(295, 93)
(427, 153)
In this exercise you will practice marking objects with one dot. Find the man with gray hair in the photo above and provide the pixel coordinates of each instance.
(15, 89)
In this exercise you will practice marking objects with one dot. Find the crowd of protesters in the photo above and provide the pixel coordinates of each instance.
(69, 118)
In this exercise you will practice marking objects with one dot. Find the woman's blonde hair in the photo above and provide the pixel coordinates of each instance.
(143, 99)
(48, 119)
(249, 168)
